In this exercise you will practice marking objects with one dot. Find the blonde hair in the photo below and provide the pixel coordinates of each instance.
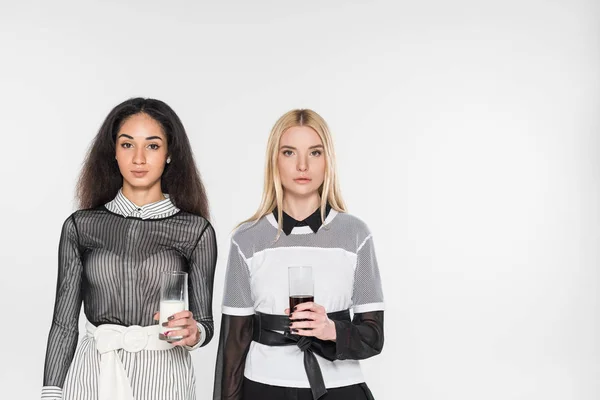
(273, 191)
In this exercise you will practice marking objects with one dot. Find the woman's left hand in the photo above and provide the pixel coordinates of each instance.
(317, 324)
(188, 328)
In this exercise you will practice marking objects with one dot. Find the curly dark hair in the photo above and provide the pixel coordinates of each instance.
(100, 179)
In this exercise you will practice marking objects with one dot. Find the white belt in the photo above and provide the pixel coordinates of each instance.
(113, 383)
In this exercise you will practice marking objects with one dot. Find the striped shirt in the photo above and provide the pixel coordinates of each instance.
(123, 206)
(159, 209)
(111, 258)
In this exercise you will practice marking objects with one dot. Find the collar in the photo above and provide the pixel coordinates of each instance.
(123, 206)
(313, 220)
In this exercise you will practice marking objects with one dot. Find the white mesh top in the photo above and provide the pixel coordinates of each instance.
(346, 276)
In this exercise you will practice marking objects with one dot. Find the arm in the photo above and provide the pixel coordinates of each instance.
(201, 278)
(236, 328)
(363, 337)
(64, 331)
(234, 343)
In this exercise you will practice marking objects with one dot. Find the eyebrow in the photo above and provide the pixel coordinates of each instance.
(131, 137)
(316, 146)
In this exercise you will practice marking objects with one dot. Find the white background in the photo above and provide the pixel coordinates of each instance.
(468, 139)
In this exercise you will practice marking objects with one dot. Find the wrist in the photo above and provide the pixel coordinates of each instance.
(197, 335)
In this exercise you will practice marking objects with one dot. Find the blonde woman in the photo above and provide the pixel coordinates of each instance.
(267, 351)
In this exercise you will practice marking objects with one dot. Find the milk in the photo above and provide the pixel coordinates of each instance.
(168, 308)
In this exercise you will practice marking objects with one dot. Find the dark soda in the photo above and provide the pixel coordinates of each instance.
(295, 300)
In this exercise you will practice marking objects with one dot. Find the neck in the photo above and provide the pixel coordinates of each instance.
(300, 207)
(143, 196)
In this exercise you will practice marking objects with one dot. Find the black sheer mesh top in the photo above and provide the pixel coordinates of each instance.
(113, 264)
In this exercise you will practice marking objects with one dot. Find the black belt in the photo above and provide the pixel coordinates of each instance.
(263, 333)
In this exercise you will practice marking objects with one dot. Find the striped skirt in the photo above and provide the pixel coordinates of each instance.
(154, 375)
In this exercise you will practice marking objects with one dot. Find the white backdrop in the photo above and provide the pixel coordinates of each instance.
(468, 140)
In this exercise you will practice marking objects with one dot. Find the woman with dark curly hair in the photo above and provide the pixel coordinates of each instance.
(143, 212)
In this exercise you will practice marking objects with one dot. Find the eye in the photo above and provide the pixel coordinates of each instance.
(153, 146)
(287, 153)
(316, 153)
(126, 145)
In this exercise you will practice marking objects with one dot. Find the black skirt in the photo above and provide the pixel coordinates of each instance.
(260, 391)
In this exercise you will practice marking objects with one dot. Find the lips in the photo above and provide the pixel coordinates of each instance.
(302, 180)
(139, 174)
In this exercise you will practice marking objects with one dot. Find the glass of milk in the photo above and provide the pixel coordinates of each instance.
(173, 299)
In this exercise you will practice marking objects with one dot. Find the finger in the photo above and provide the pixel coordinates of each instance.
(304, 315)
(188, 339)
(320, 309)
(156, 316)
(310, 306)
(304, 325)
(303, 306)
(176, 323)
(185, 332)
(304, 332)
(287, 311)
(176, 334)
(176, 331)
(179, 322)
(180, 315)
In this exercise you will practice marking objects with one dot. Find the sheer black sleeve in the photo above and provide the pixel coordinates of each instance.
(234, 342)
(201, 279)
(362, 338)
(64, 332)
(236, 327)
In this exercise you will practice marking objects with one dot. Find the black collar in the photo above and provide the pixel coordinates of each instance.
(313, 220)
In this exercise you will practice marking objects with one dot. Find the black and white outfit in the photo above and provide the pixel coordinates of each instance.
(111, 258)
(257, 357)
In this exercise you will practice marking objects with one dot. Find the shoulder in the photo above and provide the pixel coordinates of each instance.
(86, 214)
(251, 229)
(193, 222)
(81, 218)
(189, 219)
(352, 223)
(253, 235)
(244, 230)
(354, 231)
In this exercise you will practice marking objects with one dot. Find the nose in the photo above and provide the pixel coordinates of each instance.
(139, 157)
(302, 165)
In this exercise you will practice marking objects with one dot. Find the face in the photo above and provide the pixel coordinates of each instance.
(301, 161)
(141, 151)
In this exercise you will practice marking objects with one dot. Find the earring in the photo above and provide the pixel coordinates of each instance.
(169, 160)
